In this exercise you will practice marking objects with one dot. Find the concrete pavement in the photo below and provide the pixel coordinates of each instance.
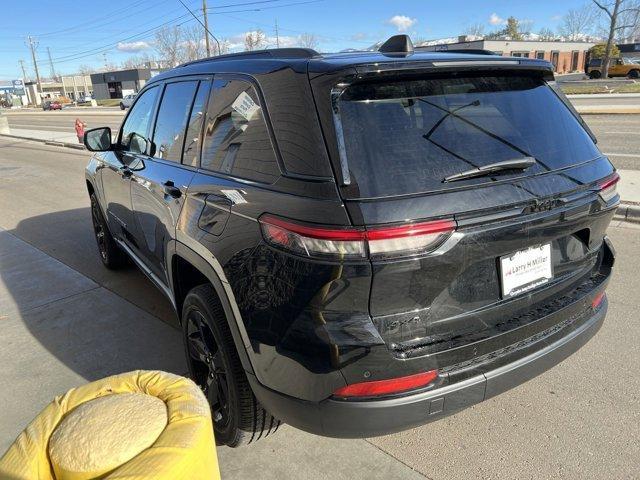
(65, 320)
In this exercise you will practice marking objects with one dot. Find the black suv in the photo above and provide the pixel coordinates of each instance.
(359, 243)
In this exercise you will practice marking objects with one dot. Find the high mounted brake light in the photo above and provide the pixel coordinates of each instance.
(387, 387)
(608, 187)
(353, 243)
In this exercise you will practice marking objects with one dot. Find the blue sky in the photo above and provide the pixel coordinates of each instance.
(78, 33)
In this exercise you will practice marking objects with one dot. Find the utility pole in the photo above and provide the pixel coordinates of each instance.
(104, 56)
(206, 27)
(277, 35)
(51, 68)
(32, 45)
(24, 72)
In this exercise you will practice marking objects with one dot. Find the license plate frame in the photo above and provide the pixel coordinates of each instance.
(525, 270)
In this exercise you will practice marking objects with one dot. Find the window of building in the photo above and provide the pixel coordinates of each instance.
(173, 114)
(237, 141)
(520, 54)
(190, 154)
(540, 55)
(135, 131)
(555, 59)
(574, 60)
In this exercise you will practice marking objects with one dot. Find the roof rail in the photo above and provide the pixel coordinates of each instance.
(270, 53)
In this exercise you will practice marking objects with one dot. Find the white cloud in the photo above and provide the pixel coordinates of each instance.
(556, 18)
(402, 22)
(132, 46)
(495, 19)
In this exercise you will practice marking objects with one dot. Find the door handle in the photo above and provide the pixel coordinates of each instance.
(171, 190)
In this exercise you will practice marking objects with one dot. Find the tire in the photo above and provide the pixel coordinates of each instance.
(634, 74)
(121, 106)
(595, 74)
(238, 417)
(111, 254)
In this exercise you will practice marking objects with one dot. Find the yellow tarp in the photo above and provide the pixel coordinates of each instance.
(184, 450)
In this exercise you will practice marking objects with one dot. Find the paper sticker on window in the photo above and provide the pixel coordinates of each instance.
(245, 106)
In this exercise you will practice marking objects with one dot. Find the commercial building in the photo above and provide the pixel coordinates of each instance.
(566, 57)
(630, 50)
(117, 84)
(73, 87)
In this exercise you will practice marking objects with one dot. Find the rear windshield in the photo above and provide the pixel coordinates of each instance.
(405, 137)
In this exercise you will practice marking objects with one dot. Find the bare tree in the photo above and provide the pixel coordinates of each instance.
(308, 40)
(86, 69)
(223, 47)
(254, 40)
(629, 31)
(577, 22)
(615, 11)
(546, 35)
(168, 44)
(193, 44)
(476, 30)
(139, 61)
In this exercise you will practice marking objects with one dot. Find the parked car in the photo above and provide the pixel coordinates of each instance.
(51, 105)
(618, 67)
(127, 101)
(359, 244)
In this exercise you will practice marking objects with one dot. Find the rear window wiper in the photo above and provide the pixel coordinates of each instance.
(515, 164)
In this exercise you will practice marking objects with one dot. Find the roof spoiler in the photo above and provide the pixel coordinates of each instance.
(397, 44)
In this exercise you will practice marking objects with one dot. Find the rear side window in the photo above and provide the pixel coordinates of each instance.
(135, 131)
(190, 154)
(236, 140)
(173, 114)
(405, 137)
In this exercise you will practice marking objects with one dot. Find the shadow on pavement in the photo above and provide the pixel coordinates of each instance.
(62, 312)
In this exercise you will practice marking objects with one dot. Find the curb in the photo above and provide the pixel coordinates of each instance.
(628, 213)
(593, 110)
(75, 146)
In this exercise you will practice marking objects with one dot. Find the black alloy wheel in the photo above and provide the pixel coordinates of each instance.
(214, 364)
(110, 253)
(208, 366)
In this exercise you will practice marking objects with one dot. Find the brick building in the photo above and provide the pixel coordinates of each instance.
(565, 56)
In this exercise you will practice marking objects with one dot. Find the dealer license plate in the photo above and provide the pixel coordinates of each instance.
(525, 270)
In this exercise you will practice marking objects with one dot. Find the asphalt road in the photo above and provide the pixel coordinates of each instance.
(65, 320)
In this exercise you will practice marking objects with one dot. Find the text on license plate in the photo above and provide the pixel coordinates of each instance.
(525, 269)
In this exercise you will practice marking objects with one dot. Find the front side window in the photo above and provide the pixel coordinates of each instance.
(407, 137)
(237, 141)
(134, 137)
(173, 114)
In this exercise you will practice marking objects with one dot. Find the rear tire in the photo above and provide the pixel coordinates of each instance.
(634, 74)
(595, 74)
(214, 364)
(111, 254)
(121, 106)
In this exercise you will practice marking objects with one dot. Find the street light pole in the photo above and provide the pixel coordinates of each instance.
(206, 27)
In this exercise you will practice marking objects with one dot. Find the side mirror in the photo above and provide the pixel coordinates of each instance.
(98, 139)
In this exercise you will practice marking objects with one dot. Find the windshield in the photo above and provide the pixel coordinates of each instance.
(406, 137)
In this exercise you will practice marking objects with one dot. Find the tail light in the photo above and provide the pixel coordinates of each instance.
(354, 243)
(387, 387)
(608, 187)
(597, 300)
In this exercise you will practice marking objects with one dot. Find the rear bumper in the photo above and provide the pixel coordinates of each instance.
(355, 419)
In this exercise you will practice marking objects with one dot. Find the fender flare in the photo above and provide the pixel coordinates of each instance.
(222, 289)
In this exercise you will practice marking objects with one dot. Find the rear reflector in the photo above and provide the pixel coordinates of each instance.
(387, 387)
(597, 300)
(351, 242)
(608, 187)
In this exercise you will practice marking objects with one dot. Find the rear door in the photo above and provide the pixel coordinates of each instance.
(159, 184)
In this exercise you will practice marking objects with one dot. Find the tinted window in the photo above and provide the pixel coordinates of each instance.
(237, 141)
(135, 131)
(190, 155)
(406, 137)
(173, 114)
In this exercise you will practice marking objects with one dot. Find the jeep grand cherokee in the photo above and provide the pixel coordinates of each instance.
(359, 243)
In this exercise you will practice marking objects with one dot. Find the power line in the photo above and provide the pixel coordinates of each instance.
(207, 32)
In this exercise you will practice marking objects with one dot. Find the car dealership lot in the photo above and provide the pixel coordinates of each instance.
(66, 320)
